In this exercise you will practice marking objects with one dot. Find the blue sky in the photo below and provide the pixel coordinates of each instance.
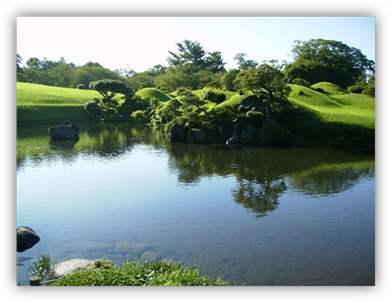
(140, 43)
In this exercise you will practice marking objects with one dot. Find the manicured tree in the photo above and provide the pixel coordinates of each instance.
(110, 88)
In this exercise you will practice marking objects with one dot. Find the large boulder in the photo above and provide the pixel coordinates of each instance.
(269, 132)
(244, 132)
(68, 267)
(178, 133)
(65, 131)
(197, 136)
(25, 238)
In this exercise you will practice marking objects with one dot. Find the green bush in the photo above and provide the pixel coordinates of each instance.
(301, 82)
(356, 88)
(93, 107)
(213, 94)
(81, 86)
(370, 90)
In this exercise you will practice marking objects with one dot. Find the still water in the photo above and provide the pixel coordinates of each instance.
(256, 216)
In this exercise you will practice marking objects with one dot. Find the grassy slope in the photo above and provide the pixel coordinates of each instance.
(41, 103)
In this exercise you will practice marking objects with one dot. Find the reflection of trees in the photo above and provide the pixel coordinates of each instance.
(263, 174)
(330, 179)
(259, 197)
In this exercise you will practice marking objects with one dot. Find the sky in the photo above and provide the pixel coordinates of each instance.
(141, 43)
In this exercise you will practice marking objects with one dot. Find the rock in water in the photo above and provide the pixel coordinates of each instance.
(65, 131)
(25, 238)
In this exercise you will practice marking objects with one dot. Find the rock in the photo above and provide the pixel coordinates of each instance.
(25, 238)
(178, 133)
(300, 92)
(197, 136)
(225, 132)
(68, 267)
(269, 132)
(65, 131)
(286, 139)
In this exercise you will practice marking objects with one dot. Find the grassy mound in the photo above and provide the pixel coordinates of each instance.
(330, 88)
(153, 93)
(335, 118)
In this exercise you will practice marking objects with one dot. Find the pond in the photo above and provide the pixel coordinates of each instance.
(256, 216)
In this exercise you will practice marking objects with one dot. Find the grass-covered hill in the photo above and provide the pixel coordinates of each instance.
(332, 118)
(44, 104)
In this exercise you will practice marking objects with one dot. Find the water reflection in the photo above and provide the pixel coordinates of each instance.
(258, 197)
(67, 144)
(262, 174)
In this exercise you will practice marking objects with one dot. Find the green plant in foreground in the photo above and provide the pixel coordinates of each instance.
(141, 273)
(42, 266)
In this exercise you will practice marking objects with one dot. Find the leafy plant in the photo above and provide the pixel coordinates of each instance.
(42, 266)
(141, 273)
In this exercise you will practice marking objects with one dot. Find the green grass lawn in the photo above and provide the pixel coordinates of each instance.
(44, 104)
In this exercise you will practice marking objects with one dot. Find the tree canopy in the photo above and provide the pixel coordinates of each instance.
(319, 60)
(267, 81)
(192, 54)
(192, 67)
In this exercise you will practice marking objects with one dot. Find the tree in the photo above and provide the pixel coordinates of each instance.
(333, 56)
(193, 55)
(188, 52)
(268, 81)
(244, 64)
(110, 88)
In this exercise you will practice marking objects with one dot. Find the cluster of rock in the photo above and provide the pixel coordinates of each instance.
(66, 131)
(244, 131)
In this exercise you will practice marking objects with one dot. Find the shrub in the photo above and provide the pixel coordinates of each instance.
(255, 117)
(81, 86)
(213, 94)
(93, 107)
(214, 84)
(370, 90)
(301, 82)
(356, 88)
(140, 115)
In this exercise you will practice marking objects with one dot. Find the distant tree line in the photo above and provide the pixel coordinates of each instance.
(193, 68)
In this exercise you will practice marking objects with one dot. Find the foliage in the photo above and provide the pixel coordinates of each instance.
(81, 86)
(244, 64)
(141, 273)
(332, 61)
(301, 82)
(110, 88)
(356, 88)
(42, 266)
(192, 55)
(94, 108)
(229, 78)
(214, 95)
(101, 263)
(269, 79)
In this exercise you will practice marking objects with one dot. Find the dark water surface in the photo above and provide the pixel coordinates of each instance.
(256, 216)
